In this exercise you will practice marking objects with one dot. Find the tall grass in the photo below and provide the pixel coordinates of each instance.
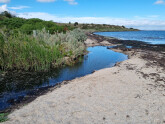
(39, 51)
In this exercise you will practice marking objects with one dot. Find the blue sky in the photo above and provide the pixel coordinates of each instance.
(142, 14)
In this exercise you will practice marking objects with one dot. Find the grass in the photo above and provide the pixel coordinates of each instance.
(3, 117)
(39, 51)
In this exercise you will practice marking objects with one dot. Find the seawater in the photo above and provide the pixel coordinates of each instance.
(150, 37)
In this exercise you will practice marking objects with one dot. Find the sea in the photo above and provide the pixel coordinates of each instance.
(150, 37)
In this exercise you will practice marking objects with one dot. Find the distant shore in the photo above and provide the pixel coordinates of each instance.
(131, 92)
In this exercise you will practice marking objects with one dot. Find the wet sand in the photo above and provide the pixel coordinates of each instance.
(131, 92)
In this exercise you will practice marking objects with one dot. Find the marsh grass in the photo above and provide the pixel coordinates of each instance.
(39, 51)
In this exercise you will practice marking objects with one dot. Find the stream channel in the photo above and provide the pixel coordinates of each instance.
(13, 88)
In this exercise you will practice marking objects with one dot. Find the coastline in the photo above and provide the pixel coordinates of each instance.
(133, 91)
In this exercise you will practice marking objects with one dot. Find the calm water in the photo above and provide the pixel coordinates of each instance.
(14, 89)
(152, 37)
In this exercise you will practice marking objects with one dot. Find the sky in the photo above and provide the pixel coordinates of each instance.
(141, 14)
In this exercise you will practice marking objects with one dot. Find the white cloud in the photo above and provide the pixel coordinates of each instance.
(144, 24)
(153, 16)
(149, 17)
(71, 2)
(46, 0)
(160, 2)
(3, 8)
(4, 1)
(19, 7)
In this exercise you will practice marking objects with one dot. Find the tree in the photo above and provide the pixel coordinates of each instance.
(123, 26)
(7, 14)
(76, 23)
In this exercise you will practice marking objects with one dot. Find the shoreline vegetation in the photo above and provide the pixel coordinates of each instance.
(37, 45)
(41, 50)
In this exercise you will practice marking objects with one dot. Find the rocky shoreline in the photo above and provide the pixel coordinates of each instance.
(153, 54)
(136, 90)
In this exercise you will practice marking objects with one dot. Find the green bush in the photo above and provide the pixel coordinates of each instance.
(28, 25)
(40, 50)
(79, 35)
(27, 28)
(12, 23)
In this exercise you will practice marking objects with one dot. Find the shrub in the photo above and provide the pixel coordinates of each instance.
(27, 28)
(7, 14)
(40, 50)
(28, 25)
(76, 23)
(79, 34)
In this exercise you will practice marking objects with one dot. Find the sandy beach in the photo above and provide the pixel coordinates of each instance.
(132, 92)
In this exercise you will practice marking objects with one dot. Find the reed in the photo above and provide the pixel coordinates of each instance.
(39, 51)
